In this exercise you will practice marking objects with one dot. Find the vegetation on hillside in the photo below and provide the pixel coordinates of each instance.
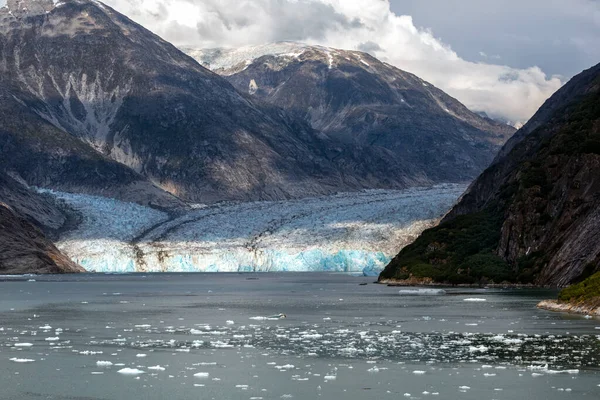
(458, 251)
(587, 292)
(465, 249)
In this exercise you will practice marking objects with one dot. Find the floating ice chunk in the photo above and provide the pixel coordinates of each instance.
(21, 360)
(156, 368)
(478, 349)
(141, 355)
(419, 372)
(312, 336)
(230, 322)
(538, 367)
(52, 339)
(287, 366)
(130, 371)
(104, 363)
(464, 387)
(46, 327)
(269, 318)
(422, 292)
(475, 299)
(330, 377)
(202, 375)
(143, 326)
(23, 345)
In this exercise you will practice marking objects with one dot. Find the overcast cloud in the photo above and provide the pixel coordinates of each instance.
(504, 57)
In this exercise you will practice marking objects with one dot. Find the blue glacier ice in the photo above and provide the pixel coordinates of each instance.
(352, 232)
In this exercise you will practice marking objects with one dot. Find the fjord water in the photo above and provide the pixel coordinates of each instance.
(216, 336)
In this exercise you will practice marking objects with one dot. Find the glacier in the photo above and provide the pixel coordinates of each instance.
(349, 232)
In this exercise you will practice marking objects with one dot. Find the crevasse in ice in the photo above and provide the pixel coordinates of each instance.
(352, 232)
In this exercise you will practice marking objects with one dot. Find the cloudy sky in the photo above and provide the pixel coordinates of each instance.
(504, 57)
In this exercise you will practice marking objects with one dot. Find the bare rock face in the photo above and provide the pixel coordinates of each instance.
(544, 191)
(356, 99)
(24, 248)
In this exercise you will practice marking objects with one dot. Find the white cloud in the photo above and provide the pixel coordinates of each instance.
(501, 91)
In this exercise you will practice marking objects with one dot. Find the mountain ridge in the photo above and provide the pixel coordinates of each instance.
(355, 98)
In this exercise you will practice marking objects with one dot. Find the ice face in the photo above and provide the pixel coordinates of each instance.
(355, 232)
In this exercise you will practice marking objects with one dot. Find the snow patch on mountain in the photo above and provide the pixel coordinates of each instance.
(355, 232)
(221, 59)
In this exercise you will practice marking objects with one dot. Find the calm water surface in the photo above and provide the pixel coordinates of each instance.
(210, 336)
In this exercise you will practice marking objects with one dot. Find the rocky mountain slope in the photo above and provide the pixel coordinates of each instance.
(354, 98)
(534, 214)
(23, 246)
(93, 99)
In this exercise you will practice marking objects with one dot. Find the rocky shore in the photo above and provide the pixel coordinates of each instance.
(570, 307)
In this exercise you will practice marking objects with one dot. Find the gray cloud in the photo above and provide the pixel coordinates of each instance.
(369, 47)
(483, 52)
(560, 36)
(367, 25)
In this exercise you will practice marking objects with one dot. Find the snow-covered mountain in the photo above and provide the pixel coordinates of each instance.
(354, 98)
(355, 232)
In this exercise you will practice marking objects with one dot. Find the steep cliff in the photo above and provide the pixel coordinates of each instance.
(534, 214)
(24, 248)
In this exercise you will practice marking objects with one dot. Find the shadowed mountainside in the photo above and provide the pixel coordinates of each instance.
(23, 246)
(534, 214)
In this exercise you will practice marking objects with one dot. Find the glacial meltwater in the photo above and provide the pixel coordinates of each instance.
(286, 336)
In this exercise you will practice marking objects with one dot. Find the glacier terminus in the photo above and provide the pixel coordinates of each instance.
(348, 232)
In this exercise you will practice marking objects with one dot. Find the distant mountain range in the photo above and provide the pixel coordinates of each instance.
(91, 102)
(534, 215)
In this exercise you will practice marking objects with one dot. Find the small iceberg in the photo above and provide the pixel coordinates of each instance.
(422, 292)
(130, 371)
(269, 318)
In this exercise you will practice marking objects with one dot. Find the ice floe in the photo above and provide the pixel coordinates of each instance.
(130, 371)
(422, 292)
(21, 360)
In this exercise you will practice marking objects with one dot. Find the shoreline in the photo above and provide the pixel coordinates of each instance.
(571, 308)
(430, 283)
